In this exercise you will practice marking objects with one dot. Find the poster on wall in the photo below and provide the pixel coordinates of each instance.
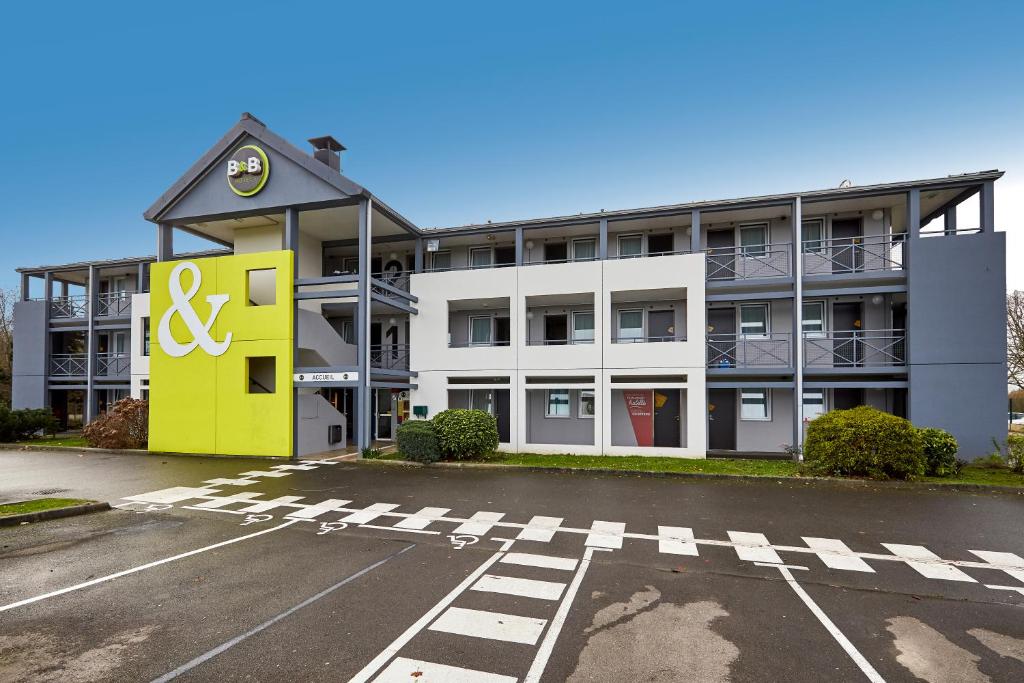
(640, 404)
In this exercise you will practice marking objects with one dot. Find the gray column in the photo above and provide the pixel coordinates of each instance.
(290, 240)
(798, 326)
(695, 231)
(25, 287)
(987, 206)
(164, 242)
(63, 289)
(91, 288)
(949, 221)
(140, 282)
(519, 246)
(914, 213)
(602, 242)
(418, 261)
(47, 335)
(361, 420)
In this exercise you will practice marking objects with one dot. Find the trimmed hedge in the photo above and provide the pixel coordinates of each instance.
(466, 433)
(418, 441)
(940, 449)
(18, 425)
(864, 441)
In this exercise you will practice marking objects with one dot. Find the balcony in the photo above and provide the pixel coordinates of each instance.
(749, 351)
(646, 338)
(748, 262)
(385, 283)
(856, 349)
(117, 364)
(69, 364)
(114, 304)
(64, 307)
(853, 255)
(390, 356)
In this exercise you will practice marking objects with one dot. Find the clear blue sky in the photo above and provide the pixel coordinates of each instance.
(458, 113)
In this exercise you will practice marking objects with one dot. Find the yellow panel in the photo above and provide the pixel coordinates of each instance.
(248, 322)
(254, 424)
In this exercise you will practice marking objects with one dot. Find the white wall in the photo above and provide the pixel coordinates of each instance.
(140, 363)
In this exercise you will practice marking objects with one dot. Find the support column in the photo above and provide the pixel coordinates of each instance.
(914, 213)
(798, 326)
(164, 242)
(291, 241)
(519, 246)
(418, 261)
(91, 288)
(47, 335)
(25, 287)
(695, 231)
(603, 240)
(363, 397)
(914, 235)
(987, 206)
(63, 289)
(949, 221)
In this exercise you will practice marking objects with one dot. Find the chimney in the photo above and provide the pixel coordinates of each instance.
(328, 150)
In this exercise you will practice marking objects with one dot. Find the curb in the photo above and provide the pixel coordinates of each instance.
(133, 451)
(55, 513)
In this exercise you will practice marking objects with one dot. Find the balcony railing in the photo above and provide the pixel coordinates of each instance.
(69, 306)
(856, 348)
(69, 364)
(853, 255)
(390, 356)
(113, 364)
(560, 342)
(477, 344)
(397, 279)
(647, 338)
(749, 351)
(114, 304)
(752, 261)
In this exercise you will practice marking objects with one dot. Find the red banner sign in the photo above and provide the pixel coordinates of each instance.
(641, 413)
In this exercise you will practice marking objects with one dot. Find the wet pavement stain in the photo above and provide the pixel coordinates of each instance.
(41, 657)
(930, 656)
(1004, 646)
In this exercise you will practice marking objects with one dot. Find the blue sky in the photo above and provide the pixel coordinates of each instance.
(463, 112)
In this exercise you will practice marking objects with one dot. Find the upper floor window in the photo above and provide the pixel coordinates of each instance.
(813, 235)
(584, 250)
(582, 327)
(441, 260)
(631, 325)
(145, 336)
(754, 320)
(754, 239)
(556, 252)
(481, 257)
(480, 330)
(631, 246)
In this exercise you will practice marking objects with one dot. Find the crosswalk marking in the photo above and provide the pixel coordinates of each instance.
(479, 524)
(544, 561)
(754, 547)
(228, 500)
(314, 511)
(267, 505)
(294, 467)
(423, 518)
(606, 534)
(923, 561)
(540, 529)
(371, 513)
(1011, 564)
(230, 482)
(403, 670)
(836, 554)
(175, 494)
(265, 473)
(676, 540)
(524, 588)
(491, 625)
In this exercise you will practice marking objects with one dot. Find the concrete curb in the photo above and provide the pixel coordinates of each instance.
(54, 513)
(133, 451)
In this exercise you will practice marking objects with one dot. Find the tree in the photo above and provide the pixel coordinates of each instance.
(1015, 338)
(7, 299)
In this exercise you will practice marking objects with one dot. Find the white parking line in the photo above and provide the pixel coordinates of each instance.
(524, 588)
(1011, 564)
(404, 670)
(753, 547)
(423, 518)
(321, 508)
(913, 554)
(265, 473)
(479, 524)
(175, 494)
(676, 540)
(540, 529)
(491, 625)
(545, 561)
(369, 514)
(837, 555)
(267, 505)
(228, 500)
(606, 534)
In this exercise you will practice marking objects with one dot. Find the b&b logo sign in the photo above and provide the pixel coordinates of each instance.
(248, 170)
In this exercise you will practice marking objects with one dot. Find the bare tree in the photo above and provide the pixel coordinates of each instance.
(1015, 338)
(7, 299)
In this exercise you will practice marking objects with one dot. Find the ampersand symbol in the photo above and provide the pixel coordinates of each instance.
(183, 307)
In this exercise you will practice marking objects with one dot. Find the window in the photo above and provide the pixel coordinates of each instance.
(754, 320)
(631, 325)
(261, 287)
(754, 239)
(347, 333)
(556, 252)
(480, 331)
(351, 264)
(481, 399)
(814, 403)
(754, 404)
(582, 327)
(584, 250)
(813, 235)
(558, 403)
(145, 336)
(262, 372)
(631, 246)
(441, 260)
(814, 318)
(587, 403)
(480, 257)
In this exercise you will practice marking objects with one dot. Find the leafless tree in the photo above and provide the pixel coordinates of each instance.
(7, 299)
(1015, 338)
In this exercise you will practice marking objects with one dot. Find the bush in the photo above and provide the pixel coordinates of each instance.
(466, 433)
(1015, 452)
(940, 448)
(417, 441)
(18, 425)
(124, 425)
(864, 441)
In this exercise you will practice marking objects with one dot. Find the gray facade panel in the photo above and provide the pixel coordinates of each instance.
(558, 430)
(29, 382)
(968, 401)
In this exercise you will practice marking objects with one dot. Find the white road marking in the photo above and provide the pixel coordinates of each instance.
(1011, 564)
(369, 514)
(266, 505)
(133, 570)
(1018, 589)
(544, 561)
(224, 501)
(265, 473)
(753, 547)
(837, 555)
(294, 467)
(605, 534)
(676, 540)
(423, 518)
(404, 531)
(540, 529)
(913, 554)
(404, 670)
(843, 641)
(479, 524)
(230, 482)
(524, 588)
(175, 494)
(323, 507)
(491, 625)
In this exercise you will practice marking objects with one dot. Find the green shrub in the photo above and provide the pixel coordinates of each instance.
(864, 441)
(466, 433)
(940, 448)
(18, 425)
(417, 441)
(1015, 452)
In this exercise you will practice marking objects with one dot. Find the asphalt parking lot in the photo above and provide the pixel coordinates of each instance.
(220, 569)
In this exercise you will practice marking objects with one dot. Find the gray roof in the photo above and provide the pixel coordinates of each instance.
(109, 263)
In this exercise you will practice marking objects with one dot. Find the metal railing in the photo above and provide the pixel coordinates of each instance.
(647, 254)
(560, 342)
(69, 364)
(853, 254)
(856, 348)
(113, 364)
(114, 304)
(749, 351)
(69, 306)
(748, 262)
(397, 279)
(647, 338)
(472, 345)
(389, 356)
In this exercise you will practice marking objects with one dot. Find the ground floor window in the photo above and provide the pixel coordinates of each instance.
(754, 404)
(587, 403)
(558, 403)
(814, 403)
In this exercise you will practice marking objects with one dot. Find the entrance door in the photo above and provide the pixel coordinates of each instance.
(504, 256)
(376, 265)
(846, 398)
(660, 244)
(847, 250)
(661, 325)
(667, 426)
(502, 331)
(721, 258)
(502, 414)
(846, 350)
(722, 419)
(721, 337)
(376, 345)
(556, 329)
